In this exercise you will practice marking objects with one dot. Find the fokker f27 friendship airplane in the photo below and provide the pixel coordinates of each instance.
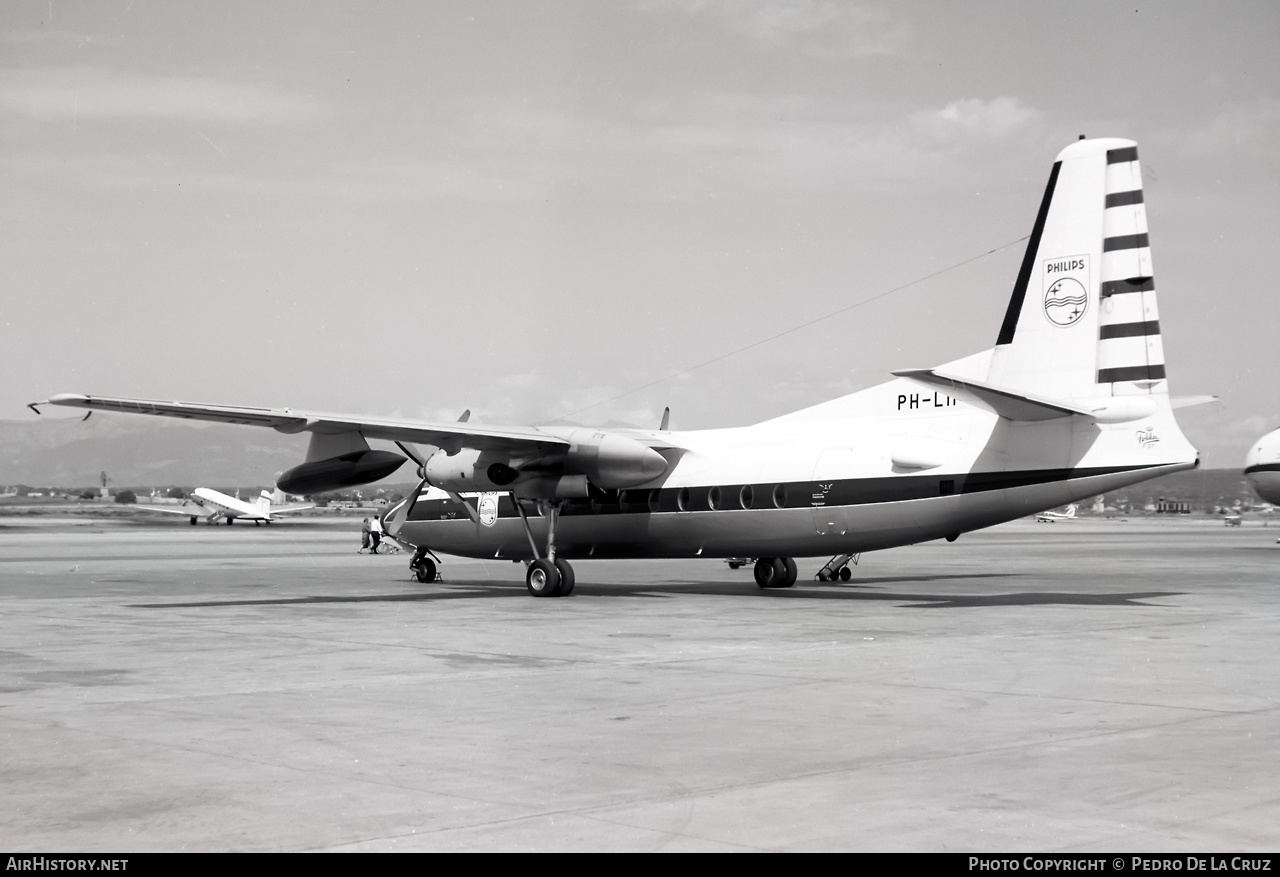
(212, 505)
(1071, 402)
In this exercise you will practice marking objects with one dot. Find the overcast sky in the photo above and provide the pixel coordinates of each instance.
(526, 208)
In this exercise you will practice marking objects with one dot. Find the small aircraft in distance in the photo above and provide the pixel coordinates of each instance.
(1072, 401)
(212, 505)
(1050, 517)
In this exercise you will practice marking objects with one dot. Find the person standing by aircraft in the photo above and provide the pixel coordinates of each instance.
(365, 535)
(375, 534)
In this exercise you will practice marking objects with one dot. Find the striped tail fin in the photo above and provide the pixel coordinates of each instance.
(1082, 322)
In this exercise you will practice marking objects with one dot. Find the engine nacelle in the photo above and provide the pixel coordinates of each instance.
(469, 470)
(345, 470)
(603, 460)
(612, 461)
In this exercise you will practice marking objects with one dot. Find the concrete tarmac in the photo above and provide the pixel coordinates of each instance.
(1082, 686)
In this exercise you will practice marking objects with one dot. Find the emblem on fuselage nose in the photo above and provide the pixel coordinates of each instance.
(488, 508)
(1065, 301)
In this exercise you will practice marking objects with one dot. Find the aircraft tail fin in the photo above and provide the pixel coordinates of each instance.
(1082, 320)
(264, 503)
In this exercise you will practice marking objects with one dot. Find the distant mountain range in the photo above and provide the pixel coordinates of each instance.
(142, 452)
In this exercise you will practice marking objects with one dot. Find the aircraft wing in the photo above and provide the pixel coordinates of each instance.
(286, 420)
(560, 461)
(187, 511)
(287, 509)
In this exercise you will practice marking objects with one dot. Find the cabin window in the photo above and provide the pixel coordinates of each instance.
(746, 496)
(946, 487)
(682, 499)
(780, 496)
(713, 498)
(655, 497)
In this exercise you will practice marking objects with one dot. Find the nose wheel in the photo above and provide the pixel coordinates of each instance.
(423, 567)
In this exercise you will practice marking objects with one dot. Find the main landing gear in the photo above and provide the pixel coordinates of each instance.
(775, 572)
(546, 576)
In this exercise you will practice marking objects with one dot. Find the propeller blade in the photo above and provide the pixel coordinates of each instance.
(392, 524)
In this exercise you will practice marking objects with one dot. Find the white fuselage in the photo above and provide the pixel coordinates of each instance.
(893, 465)
(229, 507)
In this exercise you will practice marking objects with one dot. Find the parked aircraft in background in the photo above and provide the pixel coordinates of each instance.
(1050, 517)
(1262, 467)
(213, 506)
(1071, 402)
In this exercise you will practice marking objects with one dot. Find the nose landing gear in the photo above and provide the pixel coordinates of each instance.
(422, 566)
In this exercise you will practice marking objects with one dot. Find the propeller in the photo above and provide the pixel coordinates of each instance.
(392, 524)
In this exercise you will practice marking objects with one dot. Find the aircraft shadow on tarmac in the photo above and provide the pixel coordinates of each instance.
(864, 589)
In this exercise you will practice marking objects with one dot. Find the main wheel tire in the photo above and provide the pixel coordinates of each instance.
(543, 579)
(425, 570)
(789, 572)
(845, 573)
(767, 572)
(566, 577)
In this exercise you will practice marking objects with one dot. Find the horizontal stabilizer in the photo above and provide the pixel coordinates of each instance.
(1017, 406)
(1006, 403)
(1191, 401)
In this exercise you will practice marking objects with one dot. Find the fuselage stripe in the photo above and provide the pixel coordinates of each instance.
(793, 494)
(1262, 467)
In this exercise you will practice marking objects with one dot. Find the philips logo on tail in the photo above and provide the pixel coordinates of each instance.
(1066, 295)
